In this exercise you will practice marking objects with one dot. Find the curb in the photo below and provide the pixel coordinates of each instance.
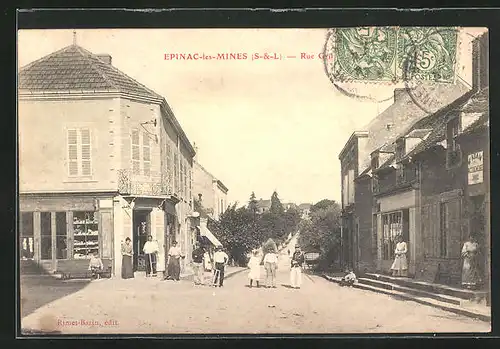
(405, 297)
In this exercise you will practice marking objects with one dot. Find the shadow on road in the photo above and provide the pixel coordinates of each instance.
(38, 290)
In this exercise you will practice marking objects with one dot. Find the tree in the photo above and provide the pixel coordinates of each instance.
(292, 220)
(252, 204)
(237, 233)
(276, 205)
(325, 203)
(322, 231)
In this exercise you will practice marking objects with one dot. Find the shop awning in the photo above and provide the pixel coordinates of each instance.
(208, 234)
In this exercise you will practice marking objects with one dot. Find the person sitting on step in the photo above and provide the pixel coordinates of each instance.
(95, 266)
(349, 279)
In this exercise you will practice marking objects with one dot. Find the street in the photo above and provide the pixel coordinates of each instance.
(144, 306)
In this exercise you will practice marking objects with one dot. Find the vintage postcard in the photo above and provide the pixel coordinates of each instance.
(260, 181)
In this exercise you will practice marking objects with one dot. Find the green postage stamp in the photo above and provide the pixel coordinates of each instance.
(393, 54)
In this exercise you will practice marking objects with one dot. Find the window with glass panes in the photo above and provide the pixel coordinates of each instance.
(61, 236)
(85, 234)
(27, 235)
(46, 235)
(392, 226)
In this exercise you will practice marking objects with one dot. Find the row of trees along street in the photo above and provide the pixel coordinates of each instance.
(241, 229)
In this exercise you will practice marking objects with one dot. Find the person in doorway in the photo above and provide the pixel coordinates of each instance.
(207, 261)
(127, 252)
(271, 265)
(254, 265)
(95, 266)
(174, 262)
(150, 250)
(220, 259)
(400, 265)
(296, 268)
(198, 268)
(470, 272)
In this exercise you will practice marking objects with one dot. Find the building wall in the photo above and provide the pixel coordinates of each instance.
(220, 200)
(43, 152)
(203, 184)
(364, 208)
(132, 114)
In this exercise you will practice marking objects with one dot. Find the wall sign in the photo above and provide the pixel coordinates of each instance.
(475, 164)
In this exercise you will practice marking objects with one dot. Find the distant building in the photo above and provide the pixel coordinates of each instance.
(263, 206)
(305, 210)
(210, 191)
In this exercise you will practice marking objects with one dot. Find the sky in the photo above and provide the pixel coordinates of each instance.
(258, 125)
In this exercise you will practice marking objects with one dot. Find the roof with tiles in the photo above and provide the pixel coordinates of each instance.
(477, 103)
(403, 113)
(75, 69)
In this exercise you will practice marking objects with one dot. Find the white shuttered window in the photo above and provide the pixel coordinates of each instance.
(136, 152)
(79, 152)
(141, 153)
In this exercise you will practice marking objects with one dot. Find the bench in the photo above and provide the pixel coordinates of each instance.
(79, 269)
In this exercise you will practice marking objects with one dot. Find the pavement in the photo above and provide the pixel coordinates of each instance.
(152, 306)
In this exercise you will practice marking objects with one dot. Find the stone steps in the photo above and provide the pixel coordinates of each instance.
(456, 305)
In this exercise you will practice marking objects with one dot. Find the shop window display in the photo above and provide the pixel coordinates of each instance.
(85, 234)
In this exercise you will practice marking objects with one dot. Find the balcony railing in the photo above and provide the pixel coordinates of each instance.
(130, 183)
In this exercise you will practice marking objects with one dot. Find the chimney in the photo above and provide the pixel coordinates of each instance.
(398, 94)
(480, 61)
(105, 58)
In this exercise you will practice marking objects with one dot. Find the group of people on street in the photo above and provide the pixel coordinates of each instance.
(150, 250)
(270, 261)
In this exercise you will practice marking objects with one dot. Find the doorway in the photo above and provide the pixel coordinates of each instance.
(141, 222)
(477, 226)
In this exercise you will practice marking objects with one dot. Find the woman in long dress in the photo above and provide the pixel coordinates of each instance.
(470, 273)
(127, 252)
(174, 262)
(400, 265)
(254, 265)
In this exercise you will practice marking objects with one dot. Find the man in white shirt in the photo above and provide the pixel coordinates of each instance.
(220, 260)
(150, 250)
(271, 264)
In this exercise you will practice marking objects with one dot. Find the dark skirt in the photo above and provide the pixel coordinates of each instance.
(127, 270)
(174, 268)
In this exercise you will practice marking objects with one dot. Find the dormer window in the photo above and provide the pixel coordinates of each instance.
(400, 149)
(375, 161)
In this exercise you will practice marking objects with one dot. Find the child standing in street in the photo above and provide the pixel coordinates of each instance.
(254, 265)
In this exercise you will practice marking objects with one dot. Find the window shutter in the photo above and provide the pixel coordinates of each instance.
(86, 152)
(454, 227)
(146, 154)
(135, 152)
(72, 153)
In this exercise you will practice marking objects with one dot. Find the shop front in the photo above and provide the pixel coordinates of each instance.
(397, 217)
(56, 229)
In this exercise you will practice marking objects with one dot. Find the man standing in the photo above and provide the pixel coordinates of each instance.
(220, 260)
(296, 268)
(198, 268)
(150, 249)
